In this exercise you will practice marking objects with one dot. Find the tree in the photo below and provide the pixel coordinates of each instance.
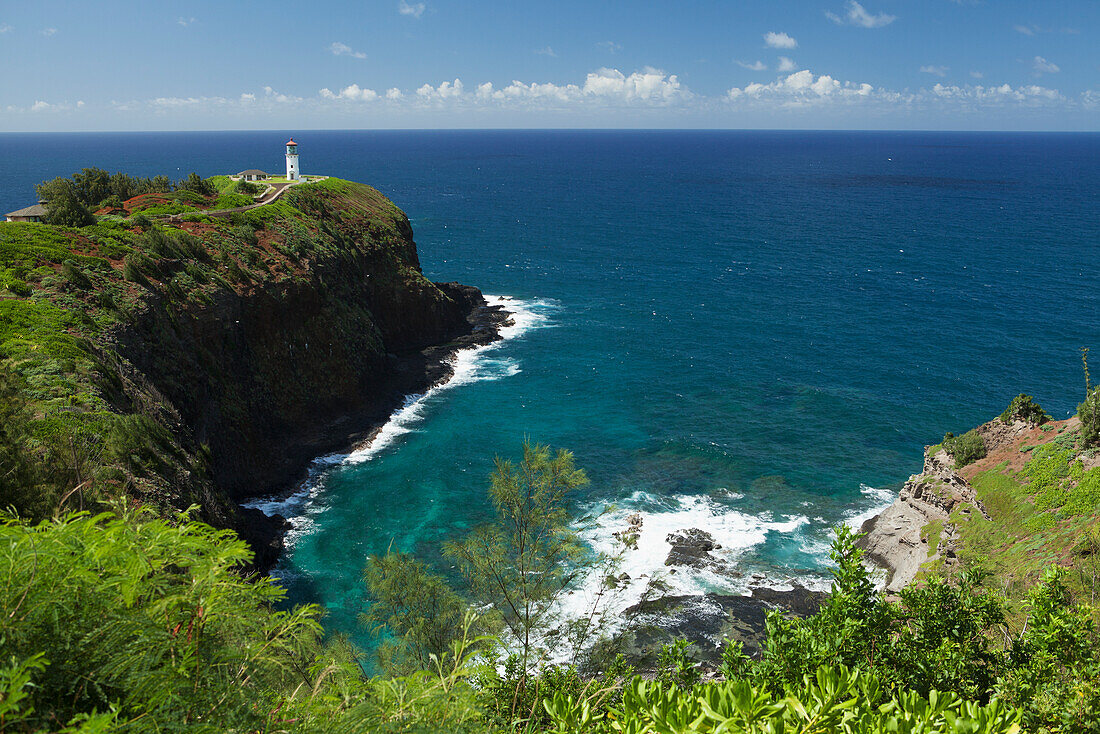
(520, 561)
(1023, 407)
(63, 206)
(92, 186)
(417, 606)
(1089, 414)
(196, 183)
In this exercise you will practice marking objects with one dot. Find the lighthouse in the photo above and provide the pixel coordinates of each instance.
(292, 170)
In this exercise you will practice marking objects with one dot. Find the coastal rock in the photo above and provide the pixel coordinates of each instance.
(706, 621)
(893, 538)
(692, 548)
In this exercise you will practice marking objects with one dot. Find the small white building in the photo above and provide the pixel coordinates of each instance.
(292, 170)
(252, 174)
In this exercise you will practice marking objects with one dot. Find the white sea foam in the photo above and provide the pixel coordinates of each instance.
(878, 498)
(735, 531)
(475, 364)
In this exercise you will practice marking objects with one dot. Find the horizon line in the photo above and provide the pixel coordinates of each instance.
(556, 129)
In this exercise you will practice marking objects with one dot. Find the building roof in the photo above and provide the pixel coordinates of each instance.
(291, 142)
(252, 172)
(35, 210)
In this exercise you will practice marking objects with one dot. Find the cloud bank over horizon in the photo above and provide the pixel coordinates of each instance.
(603, 89)
(424, 63)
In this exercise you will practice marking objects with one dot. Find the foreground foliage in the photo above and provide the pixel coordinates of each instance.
(833, 699)
(123, 621)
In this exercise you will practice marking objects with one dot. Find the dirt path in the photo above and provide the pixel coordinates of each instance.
(276, 191)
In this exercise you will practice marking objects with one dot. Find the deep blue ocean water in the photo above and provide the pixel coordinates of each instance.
(750, 332)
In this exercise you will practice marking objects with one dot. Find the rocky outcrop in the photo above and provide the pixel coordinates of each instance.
(692, 548)
(897, 539)
(707, 621)
(894, 539)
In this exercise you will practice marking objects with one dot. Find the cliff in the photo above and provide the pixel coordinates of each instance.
(1028, 501)
(208, 360)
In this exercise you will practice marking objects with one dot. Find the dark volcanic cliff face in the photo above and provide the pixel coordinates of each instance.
(261, 376)
(267, 376)
(217, 357)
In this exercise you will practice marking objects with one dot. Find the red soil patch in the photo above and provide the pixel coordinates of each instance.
(1010, 451)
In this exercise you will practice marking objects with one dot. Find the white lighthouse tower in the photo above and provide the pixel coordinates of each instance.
(292, 170)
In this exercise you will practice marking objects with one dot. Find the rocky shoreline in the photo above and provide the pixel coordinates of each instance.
(412, 373)
(705, 620)
(904, 536)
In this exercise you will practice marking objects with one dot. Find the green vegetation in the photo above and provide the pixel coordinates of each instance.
(68, 291)
(1024, 408)
(965, 449)
(171, 638)
(92, 188)
(1088, 412)
(519, 563)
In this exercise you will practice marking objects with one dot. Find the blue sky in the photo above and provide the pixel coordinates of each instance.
(244, 64)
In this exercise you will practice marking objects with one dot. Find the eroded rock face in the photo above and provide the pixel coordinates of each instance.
(706, 621)
(691, 548)
(893, 537)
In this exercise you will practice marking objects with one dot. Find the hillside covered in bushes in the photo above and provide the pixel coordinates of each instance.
(201, 361)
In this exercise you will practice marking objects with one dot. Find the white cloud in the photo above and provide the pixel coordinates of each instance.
(611, 46)
(857, 15)
(272, 96)
(1042, 66)
(415, 9)
(446, 90)
(5, 28)
(185, 21)
(602, 87)
(247, 97)
(936, 70)
(342, 49)
(649, 85)
(546, 52)
(394, 93)
(48, 32)
(351, 92)
(79, 103)
(39, 106)
(754, 66)
(1026, 30)
(977, 75)
(786, 64)
(779, 40)
(1030, 94)
(800, 88)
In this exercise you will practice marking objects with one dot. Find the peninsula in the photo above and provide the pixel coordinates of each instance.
(188, 347)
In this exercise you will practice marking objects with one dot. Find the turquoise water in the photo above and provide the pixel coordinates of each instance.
(754, 333)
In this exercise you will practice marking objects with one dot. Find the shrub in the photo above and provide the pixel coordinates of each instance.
(196, 184)
(18, 287)
(1024, 408)
(965, 449)
(140, 221)
(74, 275)
(167, 633)
(1088, 413)
(245, 187)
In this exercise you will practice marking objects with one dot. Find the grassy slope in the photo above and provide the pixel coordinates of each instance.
(1043, 497)
(64, 291)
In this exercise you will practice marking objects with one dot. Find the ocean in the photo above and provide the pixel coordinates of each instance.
(752, 333)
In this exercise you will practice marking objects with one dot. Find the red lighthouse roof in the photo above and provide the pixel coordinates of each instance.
(291, 142)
